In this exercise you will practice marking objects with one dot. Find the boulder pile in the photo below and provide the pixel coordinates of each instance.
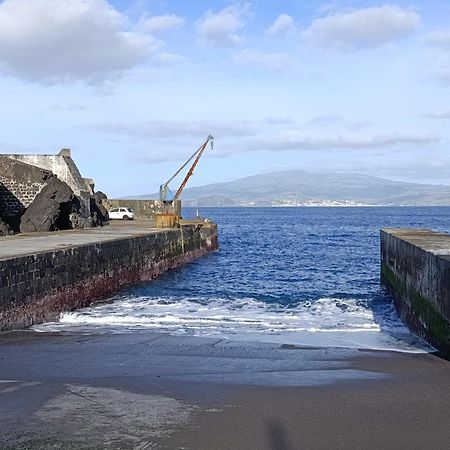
(98, 210)
(51, 209)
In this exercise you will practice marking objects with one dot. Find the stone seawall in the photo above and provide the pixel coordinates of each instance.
(143, 208)
(39, 286)
(415, 268)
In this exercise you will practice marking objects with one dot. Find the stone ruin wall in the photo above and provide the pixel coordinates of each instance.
(63, 166)
(19, 185)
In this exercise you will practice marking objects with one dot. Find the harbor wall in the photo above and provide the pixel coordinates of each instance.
(142, 208)
(38, 287)
(415, 269)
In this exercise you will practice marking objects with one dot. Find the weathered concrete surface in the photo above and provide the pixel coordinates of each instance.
(43, 275)
(415, 268)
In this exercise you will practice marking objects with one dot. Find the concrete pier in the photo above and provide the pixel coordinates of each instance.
(42, 275)
(415, 268)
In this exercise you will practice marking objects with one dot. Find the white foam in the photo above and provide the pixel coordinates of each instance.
(324, 322)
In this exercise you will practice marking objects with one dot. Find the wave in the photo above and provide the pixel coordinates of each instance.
(324, 322)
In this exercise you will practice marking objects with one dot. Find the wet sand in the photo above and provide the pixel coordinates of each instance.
(151, 390)
(410, 410)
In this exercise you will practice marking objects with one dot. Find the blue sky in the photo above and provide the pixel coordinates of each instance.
(133, 87)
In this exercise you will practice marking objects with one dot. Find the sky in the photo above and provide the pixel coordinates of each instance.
(134, 87)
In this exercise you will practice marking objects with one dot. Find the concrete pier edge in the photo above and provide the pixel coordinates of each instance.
(37, 287)
(415, 270)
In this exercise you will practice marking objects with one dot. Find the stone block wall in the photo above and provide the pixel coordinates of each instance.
(40, 286)
(63, 166)
(415, 268)
(19, 185)
(142, 208)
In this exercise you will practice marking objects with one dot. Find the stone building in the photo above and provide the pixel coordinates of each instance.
(22, 177)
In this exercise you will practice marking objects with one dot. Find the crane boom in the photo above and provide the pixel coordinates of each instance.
(164, 188)
(191, 170)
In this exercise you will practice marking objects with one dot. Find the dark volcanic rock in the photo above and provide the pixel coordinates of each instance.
(51, 208)
(13, 222)
(98, 211)
(5, 229)
(99, 196)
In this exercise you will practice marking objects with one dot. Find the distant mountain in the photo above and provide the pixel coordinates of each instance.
(300, 188)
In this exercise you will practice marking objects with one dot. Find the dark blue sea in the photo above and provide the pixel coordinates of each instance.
(306, 276)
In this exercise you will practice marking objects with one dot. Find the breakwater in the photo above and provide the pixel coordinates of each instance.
(44, 275)
(143, 208)
(415, 268)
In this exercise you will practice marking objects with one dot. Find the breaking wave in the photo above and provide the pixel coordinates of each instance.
(304, 276)
(324, 322)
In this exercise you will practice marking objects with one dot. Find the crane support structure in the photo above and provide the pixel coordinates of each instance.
(169, 218)
(164, 190)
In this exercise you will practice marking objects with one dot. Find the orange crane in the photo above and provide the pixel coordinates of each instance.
(168, 217)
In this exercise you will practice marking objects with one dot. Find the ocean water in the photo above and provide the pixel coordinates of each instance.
(304, 276)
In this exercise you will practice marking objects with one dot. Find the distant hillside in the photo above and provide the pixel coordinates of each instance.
(299, 188)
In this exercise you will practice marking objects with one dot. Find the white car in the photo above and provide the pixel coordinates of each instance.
(122, 213)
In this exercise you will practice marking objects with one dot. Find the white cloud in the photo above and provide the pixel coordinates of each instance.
(439, 39)
(294, 140)
(279, 121)
(275, 135)
(165, 59)
(336, 121)
(325, 120)
(52, 41)
(283, 24)
(222, 28)
(440, 114)
(158, 24)
(273, 61)
(439, 68)
(440, 56)
(69, 107)
(364, 28)
(167, 129)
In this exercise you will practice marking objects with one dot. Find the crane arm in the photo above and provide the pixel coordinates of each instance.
(191, 170)
(165, 187)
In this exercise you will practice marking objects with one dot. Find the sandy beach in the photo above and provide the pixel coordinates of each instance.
(153, 390)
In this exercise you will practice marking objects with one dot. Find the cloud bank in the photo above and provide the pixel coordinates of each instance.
(274, 135)
(283, 25)
(52, 41)
(159, 24)
(222, 28)
(363, 28)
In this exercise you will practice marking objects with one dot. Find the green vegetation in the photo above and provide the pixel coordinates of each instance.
(438, 329)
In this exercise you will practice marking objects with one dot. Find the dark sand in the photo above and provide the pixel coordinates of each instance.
(409, 411)
(151, 390)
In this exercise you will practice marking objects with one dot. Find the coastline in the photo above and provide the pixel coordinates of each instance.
(154, 390)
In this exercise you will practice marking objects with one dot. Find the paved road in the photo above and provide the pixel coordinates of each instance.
(31, 243)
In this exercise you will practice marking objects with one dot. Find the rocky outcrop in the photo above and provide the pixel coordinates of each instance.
(98, 209)
(51, 209)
